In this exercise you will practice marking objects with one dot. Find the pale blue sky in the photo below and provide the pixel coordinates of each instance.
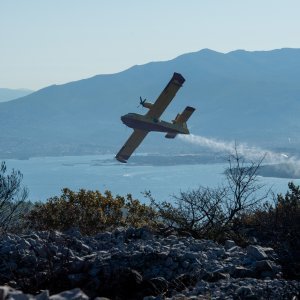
(46, 42)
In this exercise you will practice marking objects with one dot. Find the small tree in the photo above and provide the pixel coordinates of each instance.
(207, 212)
(12, 197)
(244, 192)
(197, 211)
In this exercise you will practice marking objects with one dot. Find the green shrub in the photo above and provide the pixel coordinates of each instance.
(139, 215)
(90, 211)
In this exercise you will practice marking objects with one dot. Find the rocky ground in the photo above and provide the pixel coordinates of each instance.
(136, 264)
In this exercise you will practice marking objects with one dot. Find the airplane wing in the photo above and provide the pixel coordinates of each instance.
(166, 96)
(131, 144)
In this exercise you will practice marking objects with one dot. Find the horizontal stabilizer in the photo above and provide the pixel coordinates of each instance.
(185, 115)
(170, 135)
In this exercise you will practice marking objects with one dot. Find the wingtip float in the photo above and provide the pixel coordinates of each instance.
(143, 124)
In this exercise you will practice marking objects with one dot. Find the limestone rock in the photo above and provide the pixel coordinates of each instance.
(229, 244)
(134, 263)
(256, 252)
(75, 294)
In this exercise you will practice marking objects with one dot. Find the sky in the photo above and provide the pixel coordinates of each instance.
(45, 42)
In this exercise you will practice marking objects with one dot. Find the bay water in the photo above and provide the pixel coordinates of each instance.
(46, 176)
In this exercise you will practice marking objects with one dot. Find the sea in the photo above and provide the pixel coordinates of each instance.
(45, 177)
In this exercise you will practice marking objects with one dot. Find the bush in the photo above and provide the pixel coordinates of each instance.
(278, 226)
(139, 215)
(287, 212)
(90, 211)
(280, 220)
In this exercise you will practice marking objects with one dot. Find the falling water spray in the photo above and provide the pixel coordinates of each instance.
(286, 164)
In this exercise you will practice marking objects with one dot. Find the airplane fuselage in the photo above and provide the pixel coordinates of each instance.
(145, 123)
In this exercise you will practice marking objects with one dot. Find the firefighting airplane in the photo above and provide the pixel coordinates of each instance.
(143, 124)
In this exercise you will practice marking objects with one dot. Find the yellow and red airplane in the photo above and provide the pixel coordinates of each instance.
(143, 124)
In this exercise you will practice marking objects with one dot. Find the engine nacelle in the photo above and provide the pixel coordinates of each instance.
(148, 104)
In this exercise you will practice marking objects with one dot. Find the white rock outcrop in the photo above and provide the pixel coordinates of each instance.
(135, 264)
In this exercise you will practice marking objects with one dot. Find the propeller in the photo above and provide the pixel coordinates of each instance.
(142, 101)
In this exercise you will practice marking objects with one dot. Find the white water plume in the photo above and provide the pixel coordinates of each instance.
(251, 153)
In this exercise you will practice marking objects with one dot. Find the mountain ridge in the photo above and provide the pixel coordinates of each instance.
(238, 96)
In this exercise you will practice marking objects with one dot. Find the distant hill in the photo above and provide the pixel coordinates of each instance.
(10, 94)
(245, 96)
